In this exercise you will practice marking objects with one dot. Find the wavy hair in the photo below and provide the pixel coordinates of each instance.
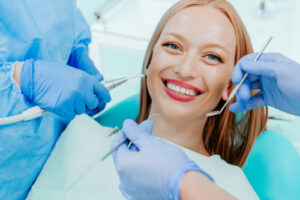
(229, 135)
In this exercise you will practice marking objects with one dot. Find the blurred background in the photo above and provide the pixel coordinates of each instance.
(121, 30)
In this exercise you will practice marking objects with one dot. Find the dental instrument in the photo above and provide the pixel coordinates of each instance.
(36, 111)
(114, 131)
(113, 149)
(236, 88)
(126, 139)
(111, 84)
(287, 118)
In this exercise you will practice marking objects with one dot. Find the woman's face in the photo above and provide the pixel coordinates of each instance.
(192, 63)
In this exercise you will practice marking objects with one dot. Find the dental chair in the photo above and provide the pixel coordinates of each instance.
(272, 168)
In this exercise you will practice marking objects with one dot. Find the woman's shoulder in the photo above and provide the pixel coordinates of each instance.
(229, 177)
(233, 179)
(213, 163)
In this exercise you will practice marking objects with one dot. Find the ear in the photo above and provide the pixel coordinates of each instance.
(226, 91)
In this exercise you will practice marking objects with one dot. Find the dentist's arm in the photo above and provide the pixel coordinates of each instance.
(275, 75)
(155, 169)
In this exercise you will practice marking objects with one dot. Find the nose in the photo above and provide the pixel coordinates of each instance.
(187, 66)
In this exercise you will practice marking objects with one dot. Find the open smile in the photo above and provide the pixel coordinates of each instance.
(180, 91)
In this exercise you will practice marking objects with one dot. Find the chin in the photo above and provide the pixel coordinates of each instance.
(175, 111)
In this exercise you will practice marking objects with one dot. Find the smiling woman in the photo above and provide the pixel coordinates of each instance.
(189, 62)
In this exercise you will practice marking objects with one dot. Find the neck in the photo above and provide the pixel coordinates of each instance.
(183, 132)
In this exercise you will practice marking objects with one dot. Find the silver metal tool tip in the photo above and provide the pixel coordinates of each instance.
(213, 113)
(135, 76)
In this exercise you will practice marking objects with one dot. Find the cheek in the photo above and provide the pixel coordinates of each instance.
(150, 80)
(162, 59)
(159, 62)
(217, 81)
(153, 76)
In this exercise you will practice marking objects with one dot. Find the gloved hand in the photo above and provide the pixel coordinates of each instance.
(80, 59)
(275, 75)
(151, 168)
(61, 89)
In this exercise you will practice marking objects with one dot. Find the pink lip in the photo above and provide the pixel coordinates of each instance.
(178, 97)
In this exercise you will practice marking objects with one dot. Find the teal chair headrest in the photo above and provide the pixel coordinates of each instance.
(273, 167)
(115, 116)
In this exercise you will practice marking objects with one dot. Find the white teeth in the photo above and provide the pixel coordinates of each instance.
(182, 90)
(178, 89)
(169, 85)
(188, 92)
(172, 87)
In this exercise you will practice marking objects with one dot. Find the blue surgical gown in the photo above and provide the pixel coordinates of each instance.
(39, 29)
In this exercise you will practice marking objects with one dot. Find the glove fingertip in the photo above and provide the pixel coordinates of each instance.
(102, 92)
(236, 107)
(244, 92)
(147, 126)
(231, 108)
(128, 123)
(237, 74)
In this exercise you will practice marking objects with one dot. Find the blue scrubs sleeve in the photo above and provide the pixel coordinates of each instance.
(83, 33)
(79, 57)
(82, 38)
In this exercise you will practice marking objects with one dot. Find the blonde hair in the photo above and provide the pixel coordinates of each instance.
(222, 134)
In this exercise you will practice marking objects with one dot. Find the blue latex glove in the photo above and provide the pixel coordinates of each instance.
(152, 168)
(275, 75)
(61, 89)
(79, 59)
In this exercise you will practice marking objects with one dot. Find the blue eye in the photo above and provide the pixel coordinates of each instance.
(214, 57)
(171, 45)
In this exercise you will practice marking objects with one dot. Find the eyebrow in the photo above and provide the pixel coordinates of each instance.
(215, 45)
(208, 45)
(177, 36)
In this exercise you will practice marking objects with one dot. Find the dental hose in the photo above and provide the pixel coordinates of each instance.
(31, 113)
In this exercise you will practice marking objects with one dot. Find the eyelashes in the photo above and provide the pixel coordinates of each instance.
(210, 56)
(214, 57)
(171, 46)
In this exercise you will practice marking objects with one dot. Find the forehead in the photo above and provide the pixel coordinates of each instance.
(202, 24)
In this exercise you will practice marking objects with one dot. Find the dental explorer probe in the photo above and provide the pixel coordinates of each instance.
(234, 91)
(36, 111)
(115, 130)
(111, 84)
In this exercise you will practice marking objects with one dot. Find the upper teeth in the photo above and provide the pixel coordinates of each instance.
(178, 89)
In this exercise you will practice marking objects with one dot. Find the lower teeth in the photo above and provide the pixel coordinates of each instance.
(182, 93)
